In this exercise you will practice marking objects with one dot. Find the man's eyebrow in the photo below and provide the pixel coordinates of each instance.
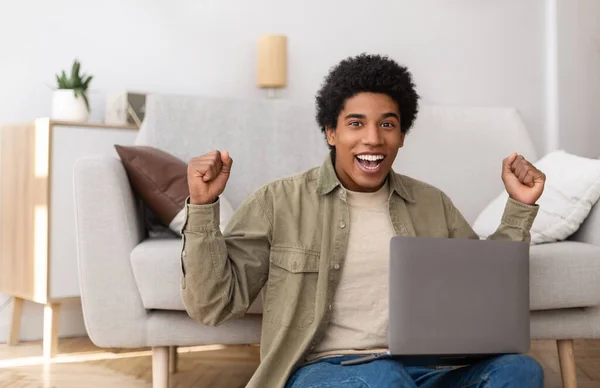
(355, 116)
(390, 114)
(361, 116)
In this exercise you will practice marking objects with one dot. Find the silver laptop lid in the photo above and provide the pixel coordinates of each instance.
(458, 296)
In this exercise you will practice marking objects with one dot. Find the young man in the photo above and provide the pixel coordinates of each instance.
(318, 243)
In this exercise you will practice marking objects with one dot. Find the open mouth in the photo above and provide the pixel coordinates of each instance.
(369, 163)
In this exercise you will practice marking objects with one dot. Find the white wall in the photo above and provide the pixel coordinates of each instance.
(579, 76)
(465, 52)
(461, 52)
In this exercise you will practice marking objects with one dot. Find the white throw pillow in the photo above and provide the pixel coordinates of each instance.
(226, 212)
(572, 188)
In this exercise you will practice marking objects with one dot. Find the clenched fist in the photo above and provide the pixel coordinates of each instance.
(207, 176)
(523, 182)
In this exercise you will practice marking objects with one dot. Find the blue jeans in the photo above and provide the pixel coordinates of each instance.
(502, 371)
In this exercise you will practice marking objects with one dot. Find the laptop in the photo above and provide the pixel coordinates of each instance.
(456, 301)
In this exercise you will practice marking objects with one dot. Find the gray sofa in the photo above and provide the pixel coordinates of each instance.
(130, 283)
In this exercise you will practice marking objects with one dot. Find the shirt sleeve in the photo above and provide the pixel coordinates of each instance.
(223, 273)
(515, 224)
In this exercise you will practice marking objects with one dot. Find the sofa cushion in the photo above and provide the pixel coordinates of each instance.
(158, 177)
(156, 266)
(564, 274)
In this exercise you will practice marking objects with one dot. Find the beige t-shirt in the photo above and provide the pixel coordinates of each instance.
(359, 321)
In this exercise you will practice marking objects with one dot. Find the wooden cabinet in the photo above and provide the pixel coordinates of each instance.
(38, 253)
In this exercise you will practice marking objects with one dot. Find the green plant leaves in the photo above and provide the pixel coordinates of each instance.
(75, 70)
(63, 82)
(87, 103)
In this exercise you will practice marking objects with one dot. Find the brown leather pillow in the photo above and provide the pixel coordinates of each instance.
(158, 177)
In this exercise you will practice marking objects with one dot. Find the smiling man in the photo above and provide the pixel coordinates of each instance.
(317, 243)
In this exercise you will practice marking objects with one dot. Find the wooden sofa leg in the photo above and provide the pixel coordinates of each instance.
(51, 320)
(566, 357)
(173, 358)
(15, 322)
(160, 367)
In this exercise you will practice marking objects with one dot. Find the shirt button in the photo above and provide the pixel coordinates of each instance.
(330, 307)
(337, 266)
(184, 254)
(342, 225)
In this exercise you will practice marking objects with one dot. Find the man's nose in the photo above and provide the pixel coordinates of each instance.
(372, 135)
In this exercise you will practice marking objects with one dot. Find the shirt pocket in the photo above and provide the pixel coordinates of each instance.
(291, 291)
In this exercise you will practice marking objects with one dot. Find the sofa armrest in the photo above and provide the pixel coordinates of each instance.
(108, 228)
(589, 231)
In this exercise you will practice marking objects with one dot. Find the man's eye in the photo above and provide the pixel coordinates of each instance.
(387, 124)
(354, 123)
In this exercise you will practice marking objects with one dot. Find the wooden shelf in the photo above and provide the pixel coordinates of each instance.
(91, 125)
(38, 259)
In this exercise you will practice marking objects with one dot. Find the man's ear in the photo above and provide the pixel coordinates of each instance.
(330, 135)
(402, 135)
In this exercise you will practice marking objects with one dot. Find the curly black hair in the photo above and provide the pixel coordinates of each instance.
(367, 73)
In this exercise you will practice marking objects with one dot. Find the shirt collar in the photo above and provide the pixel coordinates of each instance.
(328, 181)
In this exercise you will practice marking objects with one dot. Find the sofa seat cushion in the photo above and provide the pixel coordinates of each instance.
(563, 275)
(156, 265)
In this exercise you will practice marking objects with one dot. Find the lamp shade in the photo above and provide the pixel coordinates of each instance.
(272, 61)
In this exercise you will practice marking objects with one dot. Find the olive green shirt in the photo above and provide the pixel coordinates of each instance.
(289, 239)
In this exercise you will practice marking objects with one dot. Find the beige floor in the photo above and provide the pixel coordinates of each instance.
(81, 365)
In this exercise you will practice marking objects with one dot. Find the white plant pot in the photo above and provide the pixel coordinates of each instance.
(66, 107)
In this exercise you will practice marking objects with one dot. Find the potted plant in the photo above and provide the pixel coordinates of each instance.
(70, 100)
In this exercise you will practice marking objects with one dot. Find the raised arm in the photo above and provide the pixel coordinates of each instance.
(524, 184)
(222, 274)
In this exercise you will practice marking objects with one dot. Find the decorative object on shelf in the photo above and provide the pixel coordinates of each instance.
(70, 100)
(272, 63)
(125, 108)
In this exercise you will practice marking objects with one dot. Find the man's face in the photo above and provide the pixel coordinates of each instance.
(366, 140)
